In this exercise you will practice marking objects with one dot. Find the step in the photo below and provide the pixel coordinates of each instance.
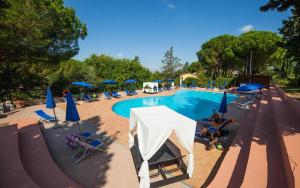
(265, 167)
(288, 110)
(36, 158)
(233, 167)
(12, 172)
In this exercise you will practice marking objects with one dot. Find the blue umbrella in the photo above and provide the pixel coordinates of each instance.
(223, 105)
(158, 81)
(247, 88)
(83, 84)
(71, 112)
(260, 86)
(109, 82)
(50, 103)
(130, 81)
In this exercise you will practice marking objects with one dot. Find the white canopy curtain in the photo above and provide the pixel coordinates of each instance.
(153, 126)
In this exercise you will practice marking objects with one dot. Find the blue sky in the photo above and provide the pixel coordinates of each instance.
(147, 28)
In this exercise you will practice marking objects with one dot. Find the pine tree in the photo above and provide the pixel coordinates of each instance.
(171, 64)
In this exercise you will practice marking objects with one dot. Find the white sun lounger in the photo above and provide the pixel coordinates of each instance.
(246, 105)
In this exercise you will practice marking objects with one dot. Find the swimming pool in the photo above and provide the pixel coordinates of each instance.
(193, 104)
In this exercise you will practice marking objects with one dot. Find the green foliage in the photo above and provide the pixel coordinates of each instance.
(291, 37)
(195, 67)
(171, 64)
(185, 68)
(262, 44)
(202, 78)
(217, 57)
(280, 5)
(190, 80)
(35, 35)
(222, 55)
(97, 68)
(107, 67)
(290, 31)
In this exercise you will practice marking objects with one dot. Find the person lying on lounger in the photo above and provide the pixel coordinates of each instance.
(214, 121)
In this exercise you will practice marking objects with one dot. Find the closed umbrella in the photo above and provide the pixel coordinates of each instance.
(223, 105)
(71, 112)
(50, 103)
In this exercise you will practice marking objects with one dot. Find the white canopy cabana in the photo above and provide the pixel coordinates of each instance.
(148, 87)
(153, 126)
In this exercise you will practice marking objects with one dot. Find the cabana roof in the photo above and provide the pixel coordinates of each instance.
(153, 130)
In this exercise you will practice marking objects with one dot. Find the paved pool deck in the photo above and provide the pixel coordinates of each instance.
(115, 167)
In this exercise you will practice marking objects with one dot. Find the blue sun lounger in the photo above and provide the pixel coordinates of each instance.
(107, 95)
(128, 93)
(134, 92)
(44, 117)
(71, 139)
(87, 98)
(115, 94)
(208, 86)
(212, 130)
(87, 149)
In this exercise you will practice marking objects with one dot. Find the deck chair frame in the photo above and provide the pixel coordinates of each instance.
(85, 150)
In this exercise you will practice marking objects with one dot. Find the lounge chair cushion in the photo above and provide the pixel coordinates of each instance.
(86, 134)
(96, 143)
(45, 116)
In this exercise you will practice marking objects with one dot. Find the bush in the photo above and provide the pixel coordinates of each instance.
(222, 80)
(189, 81)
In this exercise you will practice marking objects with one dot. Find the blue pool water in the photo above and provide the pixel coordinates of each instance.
(193, 104)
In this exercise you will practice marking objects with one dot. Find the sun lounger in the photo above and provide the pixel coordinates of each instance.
(128, 93)
(44, 117)
(107, 95)
(246, 105)
(208, 86)
(71, 139)
(87, 98)
(212, 130)
(86, 149)
(134, 92)
(160, 162)
(115, 94)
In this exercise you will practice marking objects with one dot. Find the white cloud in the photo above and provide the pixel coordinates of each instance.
(171, 6)
(246, 28)
(120, 55)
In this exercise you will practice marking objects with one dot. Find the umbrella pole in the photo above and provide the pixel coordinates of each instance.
(79, 127)
(55, 117)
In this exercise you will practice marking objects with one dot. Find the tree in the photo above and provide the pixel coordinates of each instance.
(195, 67)
(35, 33)
(282, 66)
(280, 5)
(185, 67)
(290, 29)
(170, 64)
(262, 44)
(216, 55)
